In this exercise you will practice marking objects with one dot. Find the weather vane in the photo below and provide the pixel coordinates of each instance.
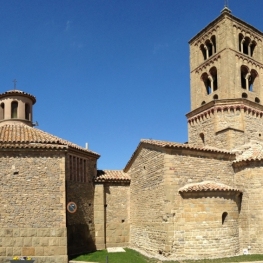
(15, 81)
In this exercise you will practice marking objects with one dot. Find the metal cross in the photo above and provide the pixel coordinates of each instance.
(226, 3)
(15, 81)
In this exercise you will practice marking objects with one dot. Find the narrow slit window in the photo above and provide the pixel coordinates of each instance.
(14, 106)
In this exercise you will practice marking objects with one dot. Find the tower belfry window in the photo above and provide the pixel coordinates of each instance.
(208, 49)
(246, 45)
(14, 106)
(248, 78)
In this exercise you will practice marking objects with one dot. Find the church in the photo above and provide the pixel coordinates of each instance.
(197, 200)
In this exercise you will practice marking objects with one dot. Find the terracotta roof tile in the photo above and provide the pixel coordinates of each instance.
(252, 151)
(24, 136)
(207, 186)
(112, 176)
(18, 92)
(166, 144)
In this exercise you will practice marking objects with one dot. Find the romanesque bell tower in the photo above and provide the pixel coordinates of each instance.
(226, 68)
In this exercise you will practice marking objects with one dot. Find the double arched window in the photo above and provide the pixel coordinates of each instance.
(246, 45)
(210, 80)
(209, 47)
(248, 78)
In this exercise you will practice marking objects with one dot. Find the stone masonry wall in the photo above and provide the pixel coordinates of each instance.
(211, 224)
(32, 191)
(81, 170)
(147, 230)
(117, 201)
(183, 167)
(248, 178)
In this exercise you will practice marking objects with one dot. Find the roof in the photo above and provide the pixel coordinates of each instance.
(207, 186)
(112, 176)
(225, 12)
(18, 93)
(174, 145)
(252, 151)
(24, 136)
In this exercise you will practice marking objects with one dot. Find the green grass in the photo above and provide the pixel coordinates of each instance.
(132, 256)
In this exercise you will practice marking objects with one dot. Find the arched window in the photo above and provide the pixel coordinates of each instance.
(240, 42)
(202, 136)
(202, 47)
(213, 39)
(224, 215)
(244, 95)
(215, 97)
(252, 47)
(213, 73)
(246, 46)
(203, 103)
(209, 48)
(251, 79)
(2, 111)
(27, 111)
(244, 77)
(14, 106)
(207, 81)
(257, 100)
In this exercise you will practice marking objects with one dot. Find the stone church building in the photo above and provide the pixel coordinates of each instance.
(201, 199)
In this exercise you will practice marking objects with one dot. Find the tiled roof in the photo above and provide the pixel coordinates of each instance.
(207, 186)
(174, 145)
(18, 92)
(252, 151)
(112, 176)
(24, 136)
(166, 144)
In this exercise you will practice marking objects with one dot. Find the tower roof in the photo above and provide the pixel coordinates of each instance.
(18, 93)
(226, 12)
(24, 136)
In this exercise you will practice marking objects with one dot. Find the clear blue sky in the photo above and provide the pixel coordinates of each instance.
(108, 72)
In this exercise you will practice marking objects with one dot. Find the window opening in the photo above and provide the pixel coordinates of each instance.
(257, 100)
(224, 215)
(202, 136)
(14, 106)
(252, 47)
(244, 95)
(2, 111)
(203, 103)
(215, 97)
(213, 73)
(209, 48)
(203, 51)
(213, 39)
(244, 77)
(27, 111)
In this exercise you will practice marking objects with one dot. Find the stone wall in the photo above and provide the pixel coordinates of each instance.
(33, 219)
(158, 224)
(117, 203)
(147, 203)
(81, 171)
(211, 224)
(248, 178)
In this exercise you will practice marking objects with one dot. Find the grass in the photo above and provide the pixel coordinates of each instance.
(132, 256)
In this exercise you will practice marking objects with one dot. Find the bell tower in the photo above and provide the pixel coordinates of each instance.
(226, 67)
(16, 107)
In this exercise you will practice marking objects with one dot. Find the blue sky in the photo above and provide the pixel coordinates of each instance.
(108, 72)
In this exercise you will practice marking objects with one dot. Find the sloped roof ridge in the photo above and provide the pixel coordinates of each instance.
(207, 186)
(112, 176)
(183, 145)
(24, 134)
